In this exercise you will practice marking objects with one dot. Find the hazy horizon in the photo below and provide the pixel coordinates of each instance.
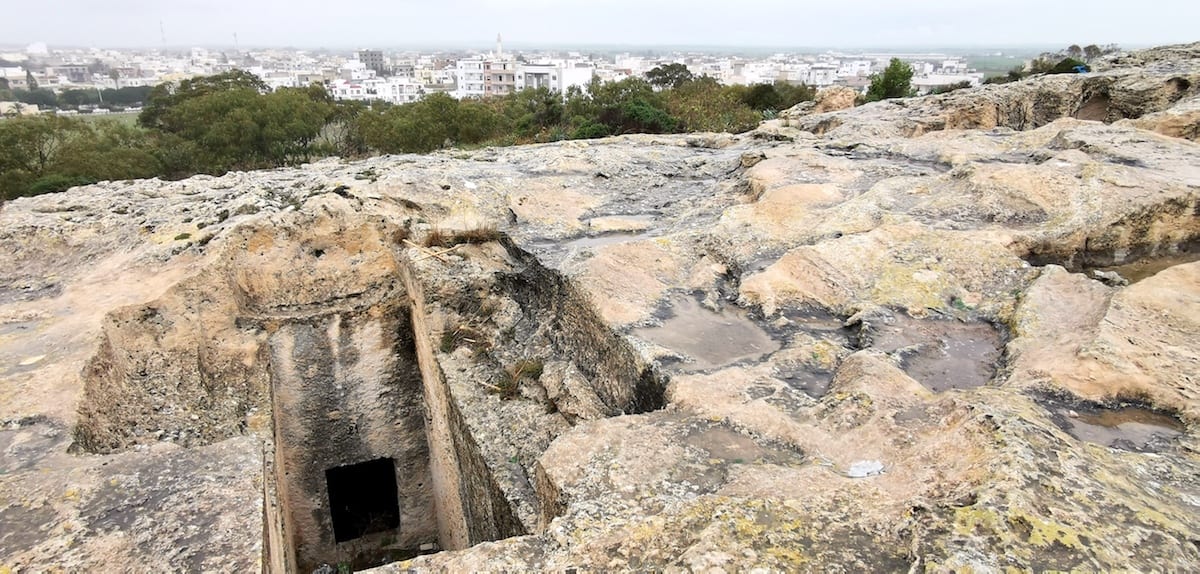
(641, 24)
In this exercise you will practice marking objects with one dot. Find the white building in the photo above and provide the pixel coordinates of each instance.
(488, 77)
(557, 75)
(354, 70)
(576, 74)
(851, 68)
(539, 76)
(393, 90)
(469, 78)
(821, 75)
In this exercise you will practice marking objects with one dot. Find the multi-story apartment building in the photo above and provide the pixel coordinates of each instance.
(499, 77)
(393, 90)
(470, 79)
(373, 59)
(538, 76)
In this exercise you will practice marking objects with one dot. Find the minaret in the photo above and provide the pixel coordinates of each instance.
(499, 47)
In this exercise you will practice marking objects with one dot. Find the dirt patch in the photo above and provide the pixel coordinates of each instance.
(1094, 109)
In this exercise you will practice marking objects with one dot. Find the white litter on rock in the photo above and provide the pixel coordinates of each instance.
(865, 468)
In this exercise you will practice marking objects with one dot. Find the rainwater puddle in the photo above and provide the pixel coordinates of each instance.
(940, 354)
(601, 240)
(760, 264)
(818, 322)
(1145, 268)
(636, 222)
(730, 446)
(1130, 428)
(20, 327)
(708, 338)
(806, 380)
(811, 378)
(607, 230)
(913, 414)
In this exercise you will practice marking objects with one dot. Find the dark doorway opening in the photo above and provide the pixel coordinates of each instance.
(363, 499)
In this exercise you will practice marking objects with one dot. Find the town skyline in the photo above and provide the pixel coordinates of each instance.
(764, 24)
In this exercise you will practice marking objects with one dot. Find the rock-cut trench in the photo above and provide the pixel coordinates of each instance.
(319, 342)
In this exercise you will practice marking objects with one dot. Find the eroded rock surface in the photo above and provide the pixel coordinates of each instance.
(866, 340)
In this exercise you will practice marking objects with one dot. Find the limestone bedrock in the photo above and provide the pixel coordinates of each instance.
(885, 340)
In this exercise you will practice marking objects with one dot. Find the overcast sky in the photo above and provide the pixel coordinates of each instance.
(783, 23)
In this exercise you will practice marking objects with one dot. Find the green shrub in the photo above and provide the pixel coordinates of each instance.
(1067, 66)
(590, 130)
(55, 183)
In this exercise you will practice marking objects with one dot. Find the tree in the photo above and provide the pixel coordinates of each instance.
(792, 94)
(291, 121)
(165, 96)
(894, 82)
(1074, 51)
(1042, 65)
(419, 127)
(224, 127)
(478, 121)
(1091, 52)
(341, 131)
(76, 98)
(763, 97)
(669, 76)
(30, 80)
(704, 104)
(127, 96)
(628, 106)
(534, 112)
(47, 153)
(40, 98)
(242, 128)
(108, 150)
(29, 147)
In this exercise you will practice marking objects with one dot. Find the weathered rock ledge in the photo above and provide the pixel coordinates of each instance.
(952, 333)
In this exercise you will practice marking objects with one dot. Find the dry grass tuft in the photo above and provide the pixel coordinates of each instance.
(509, 385)
(455, 338)
(476, 235)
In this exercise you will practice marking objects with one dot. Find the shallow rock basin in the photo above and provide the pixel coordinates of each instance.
(708, 338)
(1146, 268)
(1130, 428)
(941, 354)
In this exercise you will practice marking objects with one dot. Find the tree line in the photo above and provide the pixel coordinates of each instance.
(232, 121)
(74, 99)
